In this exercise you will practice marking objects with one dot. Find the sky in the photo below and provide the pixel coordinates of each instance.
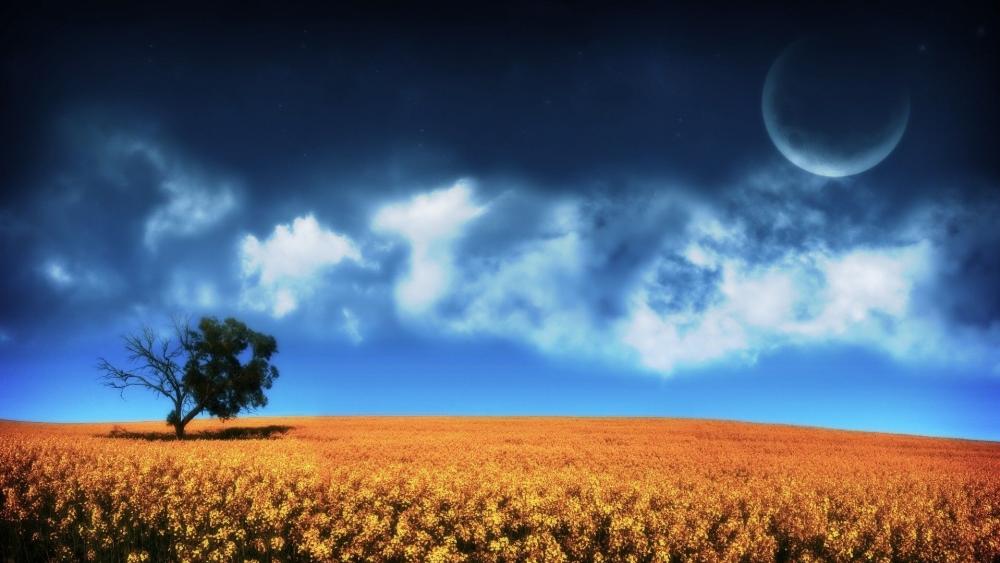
(528, 209)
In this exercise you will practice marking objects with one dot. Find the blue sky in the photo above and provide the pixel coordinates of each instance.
(839, 388)
(594, 218)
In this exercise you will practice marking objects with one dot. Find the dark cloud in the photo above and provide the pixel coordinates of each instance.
(624, 236)
(606, 91)
(966, 288)
(679, 285)
(621, 114)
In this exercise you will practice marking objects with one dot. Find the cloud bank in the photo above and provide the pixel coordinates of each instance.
(654, 275)
(717, 290)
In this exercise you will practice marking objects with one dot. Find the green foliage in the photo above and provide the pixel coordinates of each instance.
(214, 374)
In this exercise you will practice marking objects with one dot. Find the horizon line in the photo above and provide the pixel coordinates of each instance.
(526, 416)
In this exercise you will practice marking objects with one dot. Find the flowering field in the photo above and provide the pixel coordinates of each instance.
(493, 489)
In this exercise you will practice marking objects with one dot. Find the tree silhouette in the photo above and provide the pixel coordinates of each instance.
(226, 368)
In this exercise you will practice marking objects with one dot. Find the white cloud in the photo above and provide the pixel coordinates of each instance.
(689, 339)
(193, 203)
(284, 302)
(430, 223)
(540, 290)
(351, 326)
(863, 283)
(859, 296)
(188, 293)
(713, 291)
(190, 209)
(530, 293)
(77, 279)
(57, 274)
(287, 267)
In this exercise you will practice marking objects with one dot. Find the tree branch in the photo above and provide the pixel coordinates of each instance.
(195, 411)
(155, 366)
(117, 378)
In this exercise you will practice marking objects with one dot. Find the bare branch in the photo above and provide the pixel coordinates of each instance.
(119, 379)
(154, 366)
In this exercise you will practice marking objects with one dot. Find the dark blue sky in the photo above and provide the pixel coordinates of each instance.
(536, 209)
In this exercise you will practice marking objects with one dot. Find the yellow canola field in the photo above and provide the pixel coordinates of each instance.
(495, 489)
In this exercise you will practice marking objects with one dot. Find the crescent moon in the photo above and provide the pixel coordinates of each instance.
(812, 152)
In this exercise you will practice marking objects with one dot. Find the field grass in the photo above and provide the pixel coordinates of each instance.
(493, 489)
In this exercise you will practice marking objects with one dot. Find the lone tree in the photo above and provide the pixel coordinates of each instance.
(221, 368)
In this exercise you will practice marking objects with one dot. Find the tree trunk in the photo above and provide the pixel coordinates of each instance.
(175, 419)
(182, 422)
